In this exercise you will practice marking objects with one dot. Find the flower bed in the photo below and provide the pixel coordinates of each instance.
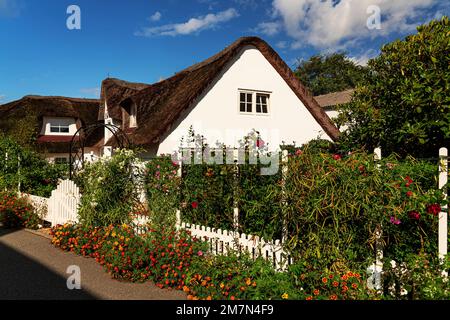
(163, 256)
(16, 212)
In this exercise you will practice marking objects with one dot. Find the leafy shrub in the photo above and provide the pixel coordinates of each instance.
(336, 204)
(16, 212)
(162, 186)
(109, 190)
(403, 104)
(36, 176)
(225, 277)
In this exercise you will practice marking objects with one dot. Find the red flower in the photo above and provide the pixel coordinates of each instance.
(434, 209)
(337, 157)
(194, 205)
(409, 194)
(414, 215)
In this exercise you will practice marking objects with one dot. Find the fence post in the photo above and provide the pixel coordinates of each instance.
(179, 175)
(375, 270)
(235, 191)
(443, 216)
(284, 168)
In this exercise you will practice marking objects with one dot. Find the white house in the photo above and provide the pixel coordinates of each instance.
(246, 86)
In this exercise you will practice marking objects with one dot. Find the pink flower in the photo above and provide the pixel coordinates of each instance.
(200, 253)
(395, 221)
(260, 143)
(298, 152)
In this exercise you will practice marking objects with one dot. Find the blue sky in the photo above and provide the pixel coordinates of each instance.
(147, 40)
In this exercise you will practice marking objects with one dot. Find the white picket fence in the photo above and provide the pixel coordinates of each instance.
(63, 203)
(222, 241)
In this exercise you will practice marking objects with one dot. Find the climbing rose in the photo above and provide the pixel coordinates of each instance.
(434, 209)
(194, 204)
(260, 143)
(414, 215)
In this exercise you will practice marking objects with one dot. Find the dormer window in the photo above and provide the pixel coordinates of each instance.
(58, 126)
(133, 114)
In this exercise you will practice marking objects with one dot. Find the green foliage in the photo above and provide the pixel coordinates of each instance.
(336, 204)
(109, 190)
(16, 212)
(330, 73)
(404, 105)
(36, 176)
(162, 186)
(22, 127)
(207, 195)
(421, 277)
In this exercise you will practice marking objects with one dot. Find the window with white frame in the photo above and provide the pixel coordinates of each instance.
(59, 127)
(253, 102)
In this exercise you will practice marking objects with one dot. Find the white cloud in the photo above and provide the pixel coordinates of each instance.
(281, 44)
(2, 96)
(156, 16)
(364, 58)
(92, 92)
(268, 28)
(330, 24)
(193, 25)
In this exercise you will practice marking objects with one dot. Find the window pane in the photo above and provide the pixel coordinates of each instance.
(64, 129)
(242, 108)
(242, 99)
(249, 107)
(249, 97)
(258, 108)
(264, 109)
(54, 129)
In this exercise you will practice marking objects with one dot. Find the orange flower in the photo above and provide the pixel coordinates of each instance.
(354, 286)
(248, 281)
(335, 284)
(209, 298)
(333, 297)
(331, 276)
(186, 289)
(316, 292)
(309, 298)
(232, 298)
(345, 289)
(324, 280)
(344, 277)
(357, 275)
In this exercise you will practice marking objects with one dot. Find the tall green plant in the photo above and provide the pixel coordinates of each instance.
(109, 190)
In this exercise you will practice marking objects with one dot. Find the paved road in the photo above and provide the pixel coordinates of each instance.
(31, 268)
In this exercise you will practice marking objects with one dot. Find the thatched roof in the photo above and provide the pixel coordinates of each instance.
(330, 100)
(34, 108)
(113, 92)
(160, 105)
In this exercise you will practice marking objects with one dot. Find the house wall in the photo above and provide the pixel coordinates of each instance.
(216, 114)
(90, 154)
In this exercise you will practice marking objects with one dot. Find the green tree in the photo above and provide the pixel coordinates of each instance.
(404, 104)
(330, 73)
